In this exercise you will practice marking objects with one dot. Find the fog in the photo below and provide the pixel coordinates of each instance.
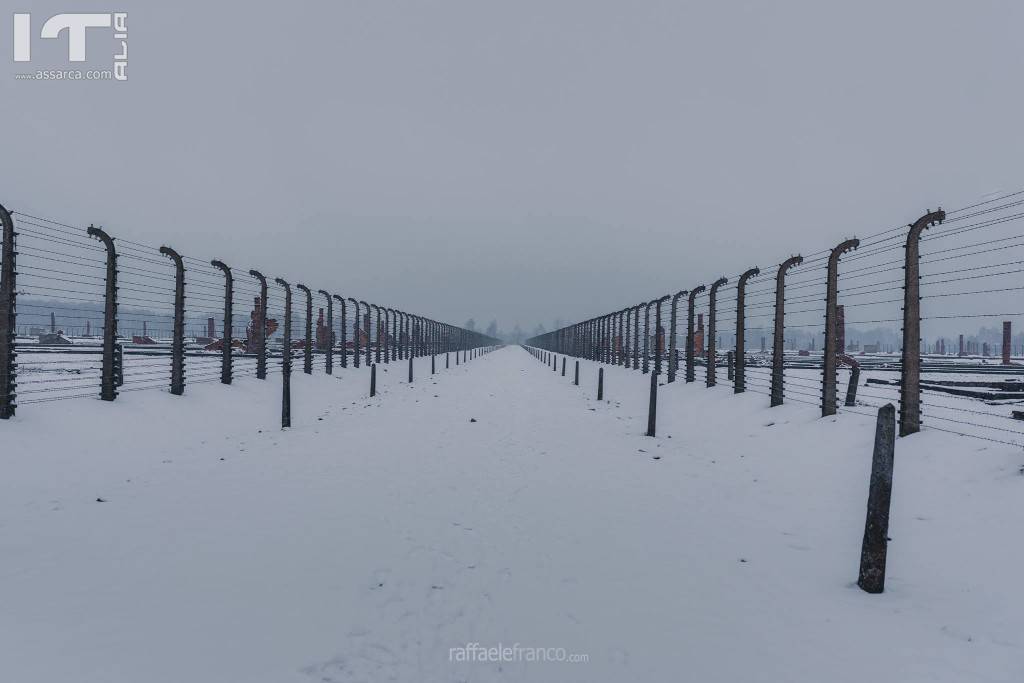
(521, 161)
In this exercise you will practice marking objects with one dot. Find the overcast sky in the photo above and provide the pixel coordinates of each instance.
(525, 160)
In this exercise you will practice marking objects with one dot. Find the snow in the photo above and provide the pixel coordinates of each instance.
(377, 534)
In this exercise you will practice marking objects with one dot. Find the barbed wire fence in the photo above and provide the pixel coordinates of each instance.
(87, 315)
(826, 329)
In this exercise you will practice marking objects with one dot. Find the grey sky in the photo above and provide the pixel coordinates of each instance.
(522, 160)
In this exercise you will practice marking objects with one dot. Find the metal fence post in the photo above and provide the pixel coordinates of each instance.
(910, 371)
(690, 305)
(740, 371)
(286, 358)
(777, 340)
(709, 376)
(8, 316)
(225, 339)
(178, 336)
(329, 360)
(307, 352)
(260, 327)
(828, 372)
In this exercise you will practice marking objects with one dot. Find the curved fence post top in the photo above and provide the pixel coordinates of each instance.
(222, 266)
(325, 293)
(753, 272)
(175, 256)
(790, 262)
(283, 284)
(100, 234)
(695, 291)
(259, 276)
(304, 288)
(718, 283)
(841, 249)
(928, 219)
(679, 294)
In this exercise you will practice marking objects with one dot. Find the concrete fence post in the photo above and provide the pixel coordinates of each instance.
(659, 337)
(576, 376)
(286, 358)
(373, 380)
(178, 333)
(355, 333)
(876, 527)
(307, 352)
(690, 306)
(740, 371)
(226, 337)
(108, 380)
(600, 384)
(8, 316)
(712, 301)
(329, 360)
(777, 340)
(343, 342)
(851, 389)
(910, 371)
(673, 356)
(260, 327)
(829, 366)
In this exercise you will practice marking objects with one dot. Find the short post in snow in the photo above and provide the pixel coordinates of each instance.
(851, 390)
(554, 364)
(373, 380)
(576, 378)
(563, 366)
(410, 368)
(600, 384)
(447, 360)
(432, 370)
(876, 527)
(730, 365)
(652, 407)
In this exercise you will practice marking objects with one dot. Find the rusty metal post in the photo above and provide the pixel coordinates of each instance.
(874, 547)
(307, 353)
(342, 339)
(777, 340)
(712, 351)
(286, 358)
(355, 334)
(8, 316)
(690, 305)
(225, 338)
(329, 359)
(261, 329)
(673, 357)
(178, 335)
(739, 384)
(828, 372)
(910, 371)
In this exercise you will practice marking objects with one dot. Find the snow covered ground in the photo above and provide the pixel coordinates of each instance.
(376, 535)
